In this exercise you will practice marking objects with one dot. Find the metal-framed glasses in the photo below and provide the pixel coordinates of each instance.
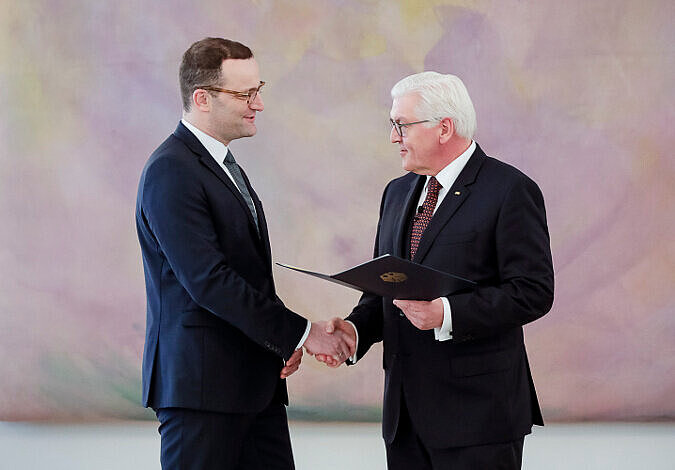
(400, 126)
(249, 95)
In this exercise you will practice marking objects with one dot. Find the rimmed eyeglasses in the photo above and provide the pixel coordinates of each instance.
(400, 126)
(249, 95)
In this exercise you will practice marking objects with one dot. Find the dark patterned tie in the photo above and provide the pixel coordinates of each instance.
(423, 218)
(235, 171)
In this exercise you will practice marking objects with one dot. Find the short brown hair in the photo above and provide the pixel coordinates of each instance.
(201, 64)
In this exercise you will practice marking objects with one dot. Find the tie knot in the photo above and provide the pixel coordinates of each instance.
(229, 158)
(434, 186)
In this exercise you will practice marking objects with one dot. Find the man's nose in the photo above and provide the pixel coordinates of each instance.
(257, 104)
(394, 137)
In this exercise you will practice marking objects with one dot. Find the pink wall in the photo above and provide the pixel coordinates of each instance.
(577, 94)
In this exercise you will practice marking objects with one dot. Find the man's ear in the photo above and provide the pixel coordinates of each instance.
(447, 130)
(201, 100)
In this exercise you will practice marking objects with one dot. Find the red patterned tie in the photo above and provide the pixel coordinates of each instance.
(423, 218)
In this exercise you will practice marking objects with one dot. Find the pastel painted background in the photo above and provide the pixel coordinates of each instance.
(577, 94)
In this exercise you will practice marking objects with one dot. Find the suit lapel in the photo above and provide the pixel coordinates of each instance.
(457, 194)
(187, 137)
(409, 201)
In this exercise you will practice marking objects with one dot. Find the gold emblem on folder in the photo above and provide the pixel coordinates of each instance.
(393, 277)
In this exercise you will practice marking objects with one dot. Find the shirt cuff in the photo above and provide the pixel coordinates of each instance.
(353, 358)
(304, 337)
(444, 333)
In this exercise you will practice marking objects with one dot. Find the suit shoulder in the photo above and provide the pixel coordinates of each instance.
(507, 183)
(508, 174)
(172, 149)
(172, 163)
(172, 153)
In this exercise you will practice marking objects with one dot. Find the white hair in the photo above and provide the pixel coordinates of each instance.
(441, 96)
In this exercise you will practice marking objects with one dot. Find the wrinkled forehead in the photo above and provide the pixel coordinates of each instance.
(240, 74)
(403, 108)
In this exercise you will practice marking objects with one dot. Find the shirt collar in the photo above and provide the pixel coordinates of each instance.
(449, 174)
(216, 148)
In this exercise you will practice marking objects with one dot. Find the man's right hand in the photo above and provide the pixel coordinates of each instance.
(337, 326)
(334, 346)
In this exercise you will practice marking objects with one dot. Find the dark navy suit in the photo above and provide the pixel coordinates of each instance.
(217, 333)
(476, 388)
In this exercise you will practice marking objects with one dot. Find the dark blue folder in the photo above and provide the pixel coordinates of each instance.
(394, 277)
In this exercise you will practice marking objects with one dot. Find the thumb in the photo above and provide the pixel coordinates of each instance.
(330, 326)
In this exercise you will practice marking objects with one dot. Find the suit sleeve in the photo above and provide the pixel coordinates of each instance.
(176, 209)
(523, 290)
(367, 316)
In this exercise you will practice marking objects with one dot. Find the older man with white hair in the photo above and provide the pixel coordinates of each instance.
(458, 389)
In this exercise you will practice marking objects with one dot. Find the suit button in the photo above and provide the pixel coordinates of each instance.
(401, 314)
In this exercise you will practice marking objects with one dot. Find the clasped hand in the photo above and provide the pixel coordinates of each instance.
(331, 342)
(422, 314)
(338, 331)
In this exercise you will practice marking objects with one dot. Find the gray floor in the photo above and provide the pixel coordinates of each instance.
(135, 445)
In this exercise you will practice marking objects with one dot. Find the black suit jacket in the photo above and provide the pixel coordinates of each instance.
(216, 330)
(476, 388)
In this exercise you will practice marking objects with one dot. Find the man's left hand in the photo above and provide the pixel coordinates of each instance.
(292, 364)
(424, 315)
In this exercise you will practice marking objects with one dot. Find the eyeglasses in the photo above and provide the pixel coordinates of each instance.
(249, 96)
(400, 126)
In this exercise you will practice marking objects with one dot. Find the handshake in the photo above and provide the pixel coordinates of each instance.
(331, 342)
(334, 341)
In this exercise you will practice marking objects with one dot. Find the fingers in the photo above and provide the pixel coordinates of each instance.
(407, 308)
(288, 371)
(343, 345)
(350, 341)
(335, 360)
(347, 345)
(316, 339)
(347, 331)
(331, 325)
(330, 361)
(424, 315)
(293, 364)
(404, 305)
(326, 359)
(333, 348)
(295, 358)
(410, 310)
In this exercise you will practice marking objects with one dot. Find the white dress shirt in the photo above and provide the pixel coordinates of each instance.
(446, 177)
